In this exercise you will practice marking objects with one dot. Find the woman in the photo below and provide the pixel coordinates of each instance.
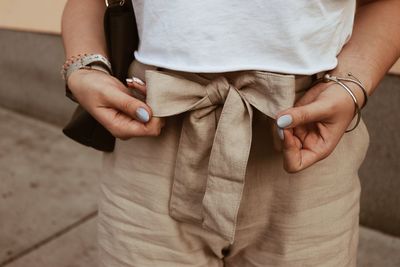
(194, 179)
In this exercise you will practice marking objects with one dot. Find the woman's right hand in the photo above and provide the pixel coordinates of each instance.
(109, 102)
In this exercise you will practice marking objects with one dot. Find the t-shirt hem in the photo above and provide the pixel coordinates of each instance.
(232, 67)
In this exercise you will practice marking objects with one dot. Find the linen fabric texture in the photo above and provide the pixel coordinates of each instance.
(211, 189)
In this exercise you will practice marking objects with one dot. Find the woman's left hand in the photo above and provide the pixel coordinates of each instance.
(311, 129)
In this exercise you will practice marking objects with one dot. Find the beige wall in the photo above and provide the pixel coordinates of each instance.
(32, 15)
(45, 16)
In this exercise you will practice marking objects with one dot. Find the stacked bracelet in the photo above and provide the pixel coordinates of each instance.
(85, 61)
(353, 79)
(340, 81)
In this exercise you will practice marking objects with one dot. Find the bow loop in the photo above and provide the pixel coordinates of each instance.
(217, 90)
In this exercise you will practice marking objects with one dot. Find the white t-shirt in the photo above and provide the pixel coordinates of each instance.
(286, 36)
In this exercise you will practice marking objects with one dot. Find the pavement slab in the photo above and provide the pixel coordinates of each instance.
(47, 183)
(377, 249)
(76, 248)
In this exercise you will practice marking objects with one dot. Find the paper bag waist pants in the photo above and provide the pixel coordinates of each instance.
(211, 189)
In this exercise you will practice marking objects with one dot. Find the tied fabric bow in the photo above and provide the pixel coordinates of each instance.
(215, 139)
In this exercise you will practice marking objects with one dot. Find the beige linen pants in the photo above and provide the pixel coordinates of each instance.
(211, 189)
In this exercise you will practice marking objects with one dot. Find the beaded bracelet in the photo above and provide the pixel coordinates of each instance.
(87, 61)
(68, 63)
(339, 80)
(83, 61)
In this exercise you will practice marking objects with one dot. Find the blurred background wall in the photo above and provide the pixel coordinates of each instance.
(33, 107)
(36, 16)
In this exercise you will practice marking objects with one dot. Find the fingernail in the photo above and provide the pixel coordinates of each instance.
(280, 134)
(142, 114)
(284, 121)
(137, 80)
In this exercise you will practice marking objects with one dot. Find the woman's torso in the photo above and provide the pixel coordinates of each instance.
(292, 36)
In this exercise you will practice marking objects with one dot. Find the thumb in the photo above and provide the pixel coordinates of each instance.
(300, 115)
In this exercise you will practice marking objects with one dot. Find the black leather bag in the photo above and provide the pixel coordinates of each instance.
(122, 40)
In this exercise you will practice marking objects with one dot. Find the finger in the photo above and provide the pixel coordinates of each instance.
(276, 139)
(301, 132)
(131, 106)
(162, 121)
(290, 141)
(293, 117)
(291, 151)
(136, 83)
(155, 125)
(124, 127)
(300, 154)
(295, 157)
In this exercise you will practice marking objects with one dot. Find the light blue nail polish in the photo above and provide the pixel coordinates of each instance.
(284, 121)
(142, 115)
(280, 133)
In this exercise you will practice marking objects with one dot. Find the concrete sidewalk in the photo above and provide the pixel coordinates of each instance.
(48, 188)
(47, 196)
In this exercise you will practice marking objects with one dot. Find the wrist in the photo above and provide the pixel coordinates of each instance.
(350, 83)
(347, 83)
(75, 79)
(364, 79)
(82, 63)
(361, 100)
(85, 61)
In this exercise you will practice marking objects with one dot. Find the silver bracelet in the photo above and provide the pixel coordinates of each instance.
(339, 80)
(355, 80)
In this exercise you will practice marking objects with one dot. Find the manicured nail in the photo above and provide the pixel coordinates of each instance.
(137, 80)
(280, 134)
(142, 114)
(134, 80)
(284, 121)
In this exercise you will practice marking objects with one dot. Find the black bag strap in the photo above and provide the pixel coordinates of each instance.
(117, 3)
(121, 35)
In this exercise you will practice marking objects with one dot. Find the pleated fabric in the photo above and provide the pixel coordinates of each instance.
(211, 189)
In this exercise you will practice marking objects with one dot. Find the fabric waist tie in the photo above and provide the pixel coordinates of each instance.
(216, 137)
